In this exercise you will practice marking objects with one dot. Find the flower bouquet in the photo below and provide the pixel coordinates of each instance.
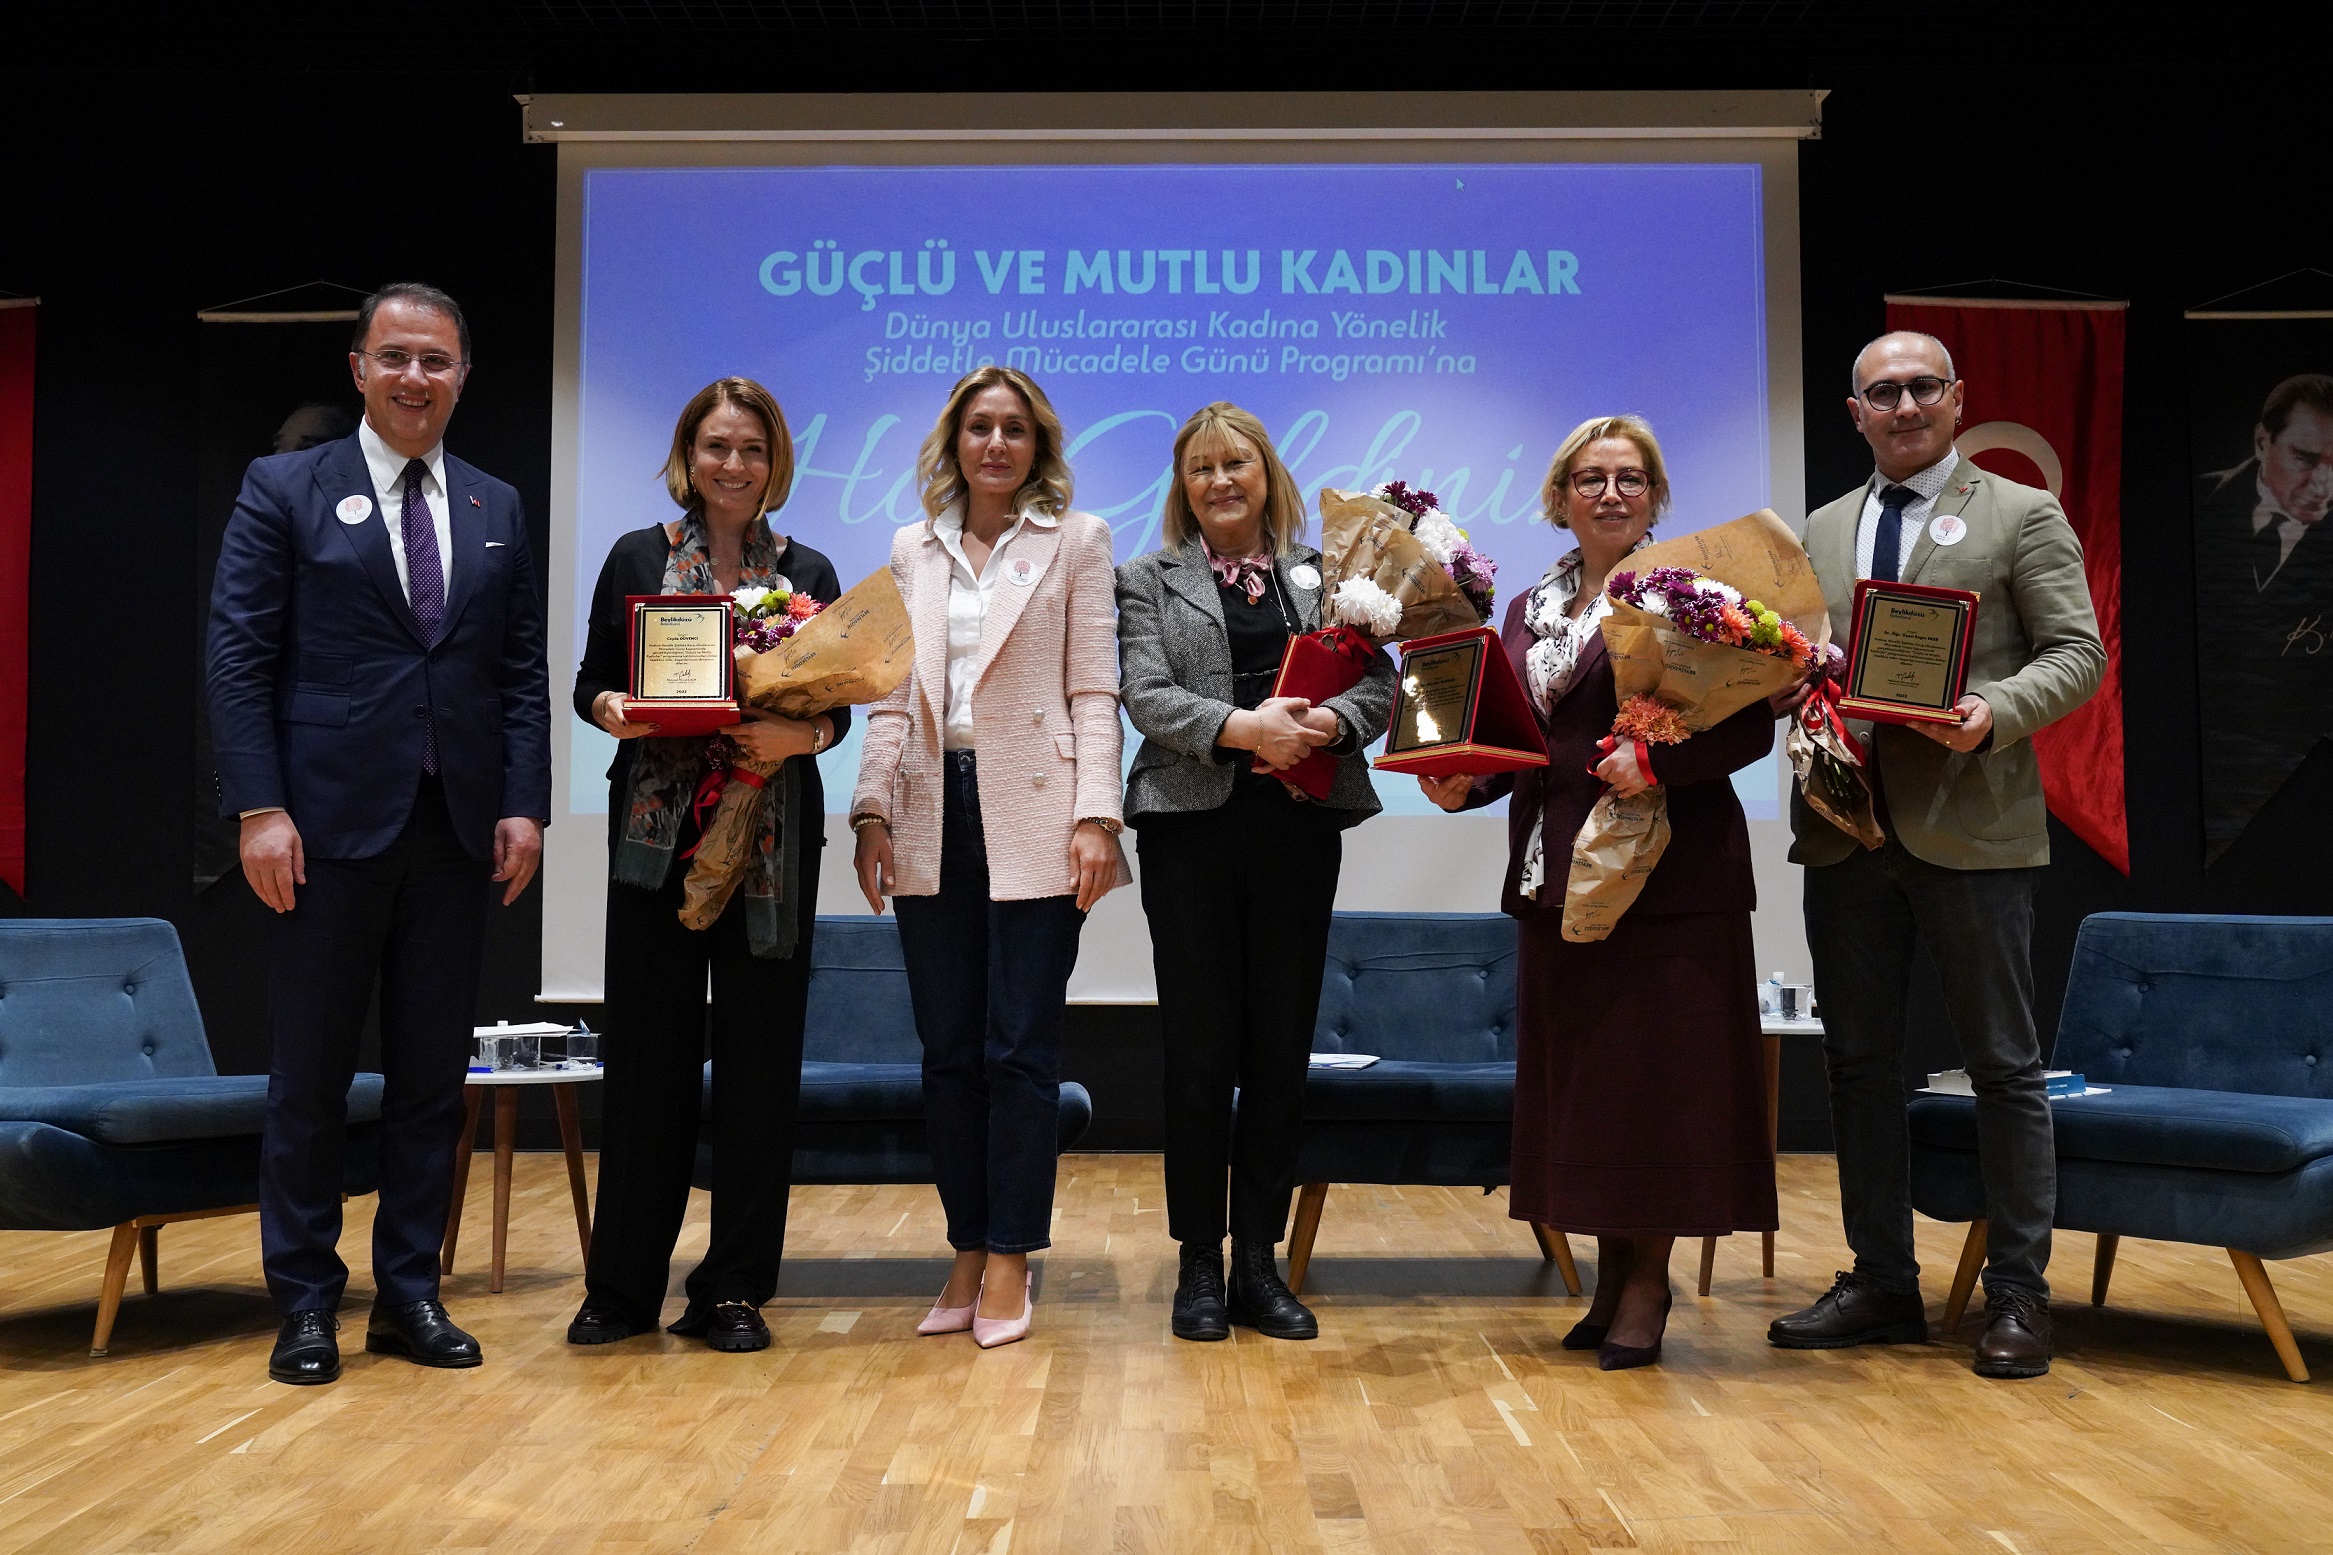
(1394, 566)
(1828, 761)
(1690, 647)
(796, 658)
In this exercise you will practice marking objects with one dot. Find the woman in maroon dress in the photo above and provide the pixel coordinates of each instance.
(1640, 1082)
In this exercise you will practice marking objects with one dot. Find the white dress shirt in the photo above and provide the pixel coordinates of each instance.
(1929, 484)
(2266, 510)
(969, 596)
(387, 467)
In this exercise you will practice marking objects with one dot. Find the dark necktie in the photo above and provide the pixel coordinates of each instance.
(425, 582)
(1887, 537)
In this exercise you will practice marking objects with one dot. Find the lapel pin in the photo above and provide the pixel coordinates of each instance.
(353, 510)
(474, 502)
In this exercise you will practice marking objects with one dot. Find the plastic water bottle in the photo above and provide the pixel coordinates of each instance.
(1770, 996)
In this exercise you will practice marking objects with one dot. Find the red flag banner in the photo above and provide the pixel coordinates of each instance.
(2044, 408)
(17, 318)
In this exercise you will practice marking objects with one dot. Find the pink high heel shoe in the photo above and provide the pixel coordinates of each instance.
(949, 1320)
(989, 1332)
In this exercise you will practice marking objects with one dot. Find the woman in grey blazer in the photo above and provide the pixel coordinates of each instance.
(1239, 869)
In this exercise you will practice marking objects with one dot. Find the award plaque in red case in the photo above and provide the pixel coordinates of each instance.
(1457, 707)
(684, 667)
(1907, 652)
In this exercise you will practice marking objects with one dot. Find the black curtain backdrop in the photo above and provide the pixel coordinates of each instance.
(2105, 156)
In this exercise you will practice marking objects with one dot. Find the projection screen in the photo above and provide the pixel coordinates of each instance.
(1426, 287)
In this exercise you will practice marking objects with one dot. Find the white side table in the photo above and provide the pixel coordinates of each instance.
(1775, 1028)
(506, 1084)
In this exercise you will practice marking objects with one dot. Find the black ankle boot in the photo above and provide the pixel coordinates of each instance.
(1199, 1294)
(1259, 1300)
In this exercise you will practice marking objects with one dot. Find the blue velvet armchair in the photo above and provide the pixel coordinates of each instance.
(1432, 995)
(862, 1068)
(111, 1111)
(2214, 1037)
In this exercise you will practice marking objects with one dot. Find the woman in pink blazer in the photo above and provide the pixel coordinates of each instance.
(987, 809)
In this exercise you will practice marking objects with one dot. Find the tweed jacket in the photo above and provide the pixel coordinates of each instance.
(2037, 657)
(1176, 654)
(1044, 710)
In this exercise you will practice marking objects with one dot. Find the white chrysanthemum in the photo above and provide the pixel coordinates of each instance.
(1382, 491)
(1359, 602)
(1655, 603)
(1438, 536)
(1731, 596)
(748, 599)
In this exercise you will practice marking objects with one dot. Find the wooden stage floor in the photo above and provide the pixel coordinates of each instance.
(1436, 1413)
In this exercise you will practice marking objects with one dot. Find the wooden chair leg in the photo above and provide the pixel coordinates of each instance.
(505, 1141)
(117, 1275)
(473, 1097)
(149, 1257)
(571, 1141)
(1708, 1262)
(1557, 1249)
(2271, 1310)
(1309, 1199)
(1766, 1253)
(1964, 1278)
(2102, 1272)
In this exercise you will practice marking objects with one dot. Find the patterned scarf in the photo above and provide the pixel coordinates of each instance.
(669, 777)
(1550, 666)
(1241, 572)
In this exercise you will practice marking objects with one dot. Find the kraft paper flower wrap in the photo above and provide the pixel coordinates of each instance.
(854, 651)
(1381, 582)
(1681, 668)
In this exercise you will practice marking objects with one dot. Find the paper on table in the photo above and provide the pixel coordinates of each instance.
(857, 650)
(539, 1028)
(1343, 1060)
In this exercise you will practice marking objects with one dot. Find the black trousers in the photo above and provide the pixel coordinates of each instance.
(1864, 915)
(414, 918)
(1238, 899)
(988, 979)
(652, 1097)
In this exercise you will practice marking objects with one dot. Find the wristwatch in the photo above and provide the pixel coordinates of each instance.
(820, 731)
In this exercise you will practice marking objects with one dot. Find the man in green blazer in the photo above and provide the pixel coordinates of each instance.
(1967, 836)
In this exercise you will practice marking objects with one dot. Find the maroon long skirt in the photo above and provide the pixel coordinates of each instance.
(1640, 1080)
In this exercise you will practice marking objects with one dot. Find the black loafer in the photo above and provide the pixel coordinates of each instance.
(735, 1327)
(1853, 1311)
(422, 1333)
(306, 1351)
(1198, 1310)
(1260, 1300)
(603, 1322)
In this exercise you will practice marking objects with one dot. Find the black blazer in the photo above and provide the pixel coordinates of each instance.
(1707, 865)
(321, 683)
(635, 565)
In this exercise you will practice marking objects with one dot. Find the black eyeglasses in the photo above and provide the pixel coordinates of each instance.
(1629, 483)
(1884, 395)
(435, 363)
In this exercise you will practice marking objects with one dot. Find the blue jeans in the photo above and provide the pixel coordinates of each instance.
(988, 980)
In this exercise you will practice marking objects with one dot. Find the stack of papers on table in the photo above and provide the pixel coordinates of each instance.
(2061, 1083)
(1343, 1060)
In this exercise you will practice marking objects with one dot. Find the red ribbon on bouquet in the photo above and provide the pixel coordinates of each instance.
(1644, 758)
(708, 798)
(1317, 666)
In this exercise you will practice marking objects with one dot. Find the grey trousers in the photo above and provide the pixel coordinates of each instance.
(1864, 917)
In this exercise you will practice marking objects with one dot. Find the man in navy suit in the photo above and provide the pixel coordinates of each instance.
(381, 712)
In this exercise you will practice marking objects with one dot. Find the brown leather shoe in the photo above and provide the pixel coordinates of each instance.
(2016, 1337)
(1853, 1311)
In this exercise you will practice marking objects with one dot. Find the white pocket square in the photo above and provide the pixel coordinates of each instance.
(494, 545)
